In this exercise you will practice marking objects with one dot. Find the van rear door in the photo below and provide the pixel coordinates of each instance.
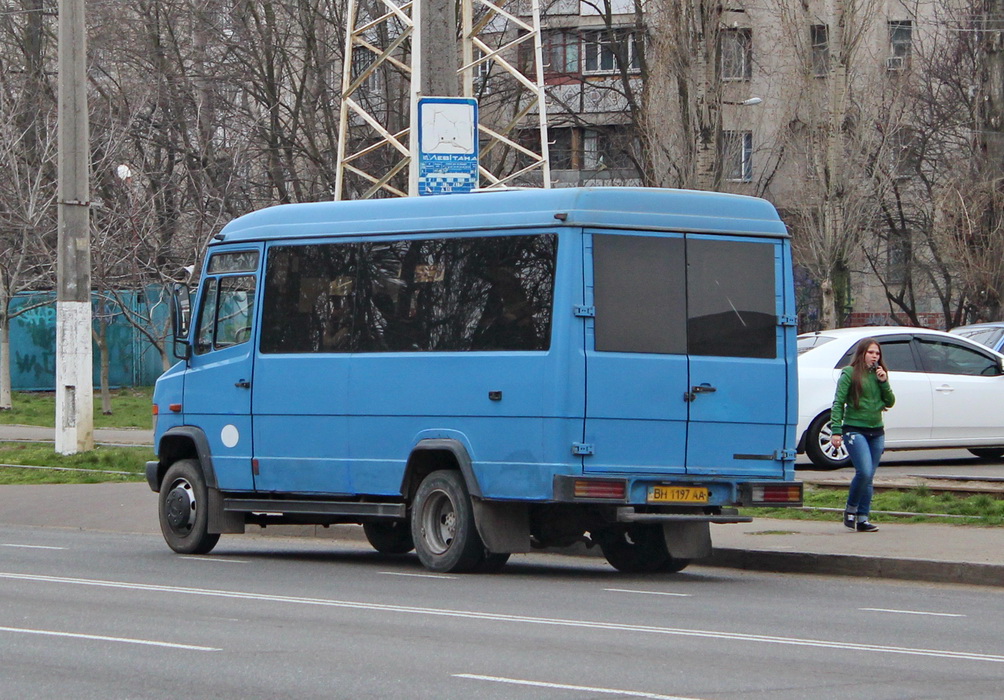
(636, 353)
(738, 365)
(686, 363)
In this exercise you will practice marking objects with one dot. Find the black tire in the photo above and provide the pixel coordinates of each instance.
(183, 509)
(442, 524)
(639, 549)
(818, 447)
(493, 562)
(390, 537)
(987, 452)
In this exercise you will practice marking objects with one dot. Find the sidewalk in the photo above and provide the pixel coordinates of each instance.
(920, 552)
(102, 436)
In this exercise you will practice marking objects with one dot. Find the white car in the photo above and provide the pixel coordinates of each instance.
(949, 391)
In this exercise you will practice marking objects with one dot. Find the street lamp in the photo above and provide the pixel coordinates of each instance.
(749, 102)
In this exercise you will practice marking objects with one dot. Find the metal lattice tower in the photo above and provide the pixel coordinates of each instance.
(381, 83)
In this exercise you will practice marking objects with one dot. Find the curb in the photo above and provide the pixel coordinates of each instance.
(858, 565)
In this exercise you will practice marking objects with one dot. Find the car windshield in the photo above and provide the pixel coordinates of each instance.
(807, 342)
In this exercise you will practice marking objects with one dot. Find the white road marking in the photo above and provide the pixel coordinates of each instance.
(101, 638)
(628, 590)
(398, 573)
(30, 546)
(562, 686)
(520, 619)
(911, 612)
(219, 559)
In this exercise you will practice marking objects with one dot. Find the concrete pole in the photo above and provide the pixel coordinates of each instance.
(434, 64)
(438, 26)
(74, 378)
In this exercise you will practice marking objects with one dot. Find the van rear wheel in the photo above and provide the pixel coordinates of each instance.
(392, 537)
(442, 524)
(183, 509)
(639, 549)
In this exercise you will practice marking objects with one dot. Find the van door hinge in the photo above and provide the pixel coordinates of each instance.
(582, 311)
(787, 320)
(582, 448)
(785, 455)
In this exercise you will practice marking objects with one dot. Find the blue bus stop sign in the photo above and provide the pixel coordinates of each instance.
(447, 145)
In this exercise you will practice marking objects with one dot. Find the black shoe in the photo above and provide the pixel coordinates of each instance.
(849, 520)
(865, 526)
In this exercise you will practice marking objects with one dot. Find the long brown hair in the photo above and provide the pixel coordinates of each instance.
(860, 368)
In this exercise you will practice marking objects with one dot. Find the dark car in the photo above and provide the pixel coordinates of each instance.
(989, 334)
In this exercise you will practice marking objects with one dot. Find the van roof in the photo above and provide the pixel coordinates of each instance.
(603, 207)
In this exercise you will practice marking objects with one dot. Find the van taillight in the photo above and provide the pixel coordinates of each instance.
(589, 488)
(775, 494)
(156, 409)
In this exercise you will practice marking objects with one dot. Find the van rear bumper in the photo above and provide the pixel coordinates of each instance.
(627, 514)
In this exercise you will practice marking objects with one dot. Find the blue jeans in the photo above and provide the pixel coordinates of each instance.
(865, 453)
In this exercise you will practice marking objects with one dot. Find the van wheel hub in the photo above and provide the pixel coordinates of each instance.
(180, 507)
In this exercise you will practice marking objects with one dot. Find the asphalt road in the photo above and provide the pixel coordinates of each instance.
(105, 615)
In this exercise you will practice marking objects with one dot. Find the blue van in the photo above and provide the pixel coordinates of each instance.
(483, 374)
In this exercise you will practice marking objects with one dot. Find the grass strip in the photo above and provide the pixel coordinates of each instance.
(918, 505)
(130, 409)
(38, 463)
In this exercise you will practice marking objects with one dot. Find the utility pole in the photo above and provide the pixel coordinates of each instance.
(421, 44)
(74, 373)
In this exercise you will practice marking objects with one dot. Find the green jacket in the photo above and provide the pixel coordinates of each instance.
(875, 397)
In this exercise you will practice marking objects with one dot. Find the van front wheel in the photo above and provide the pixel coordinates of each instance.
(184, 516)
(442, 524)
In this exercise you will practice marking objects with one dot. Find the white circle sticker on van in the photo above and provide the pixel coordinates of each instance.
(230, 436)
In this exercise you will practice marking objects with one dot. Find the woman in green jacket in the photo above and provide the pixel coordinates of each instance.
(863, 393)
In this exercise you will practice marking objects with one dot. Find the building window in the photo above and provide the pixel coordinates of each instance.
(819, 36)
(482, 71)
(592, 148)
(560, 50)
(898, 256)
(904, 153)
(601, 49)
(900, 44)
(606, 148)
(737, 54)
(737, 155)
(560, 150)
(362, 61)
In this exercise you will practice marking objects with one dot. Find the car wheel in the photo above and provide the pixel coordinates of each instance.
(442, 524)
(183, 501)
(638, 549)
(988, 452)
(393, 537)
(818, 447)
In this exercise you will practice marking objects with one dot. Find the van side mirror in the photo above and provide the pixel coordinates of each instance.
(181, 319)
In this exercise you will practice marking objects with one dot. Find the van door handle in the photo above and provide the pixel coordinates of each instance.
(945, 389)
(243, 384)
(695, 390)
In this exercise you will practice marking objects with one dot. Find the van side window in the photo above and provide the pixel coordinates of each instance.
(731, 297)
(640, 294)
(449, 294)
(225, 314)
